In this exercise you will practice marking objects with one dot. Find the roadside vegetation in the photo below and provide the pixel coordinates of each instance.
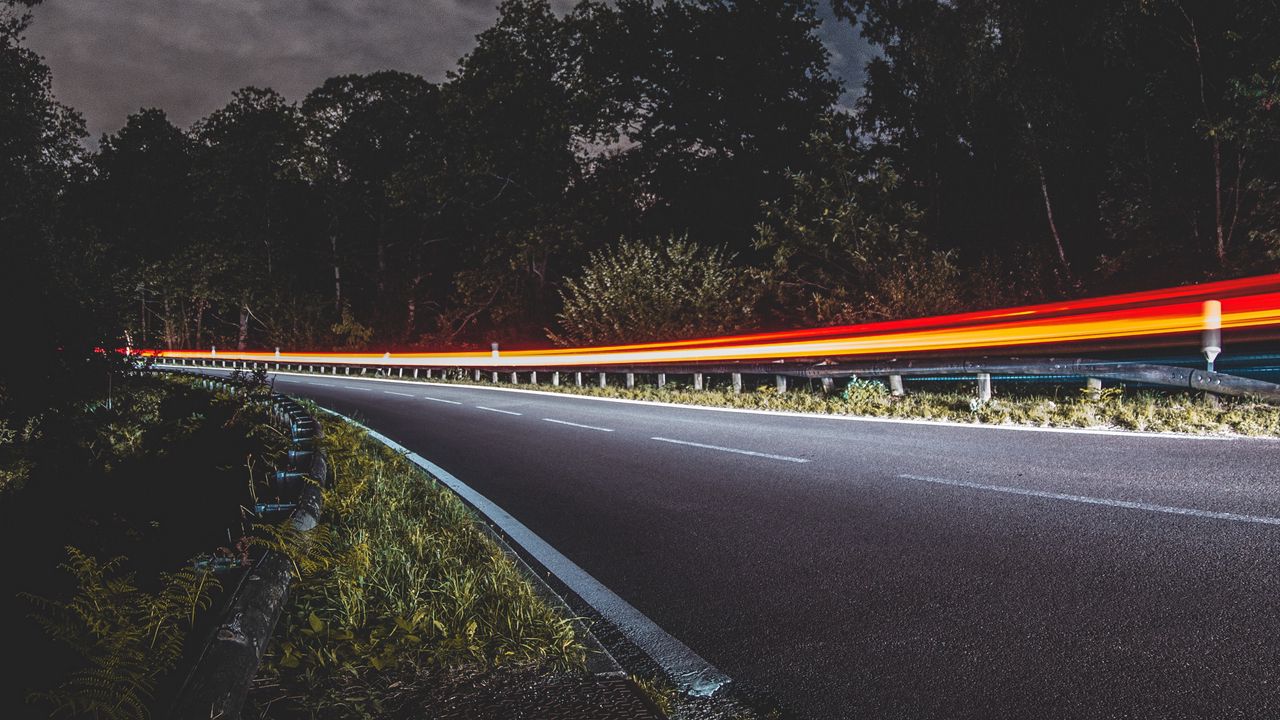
(109, 502)
(1014, 403)
(401, 595)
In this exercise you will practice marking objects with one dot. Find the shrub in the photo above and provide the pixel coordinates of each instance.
(642, 291)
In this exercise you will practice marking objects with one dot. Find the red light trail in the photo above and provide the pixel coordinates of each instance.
(1244, 303)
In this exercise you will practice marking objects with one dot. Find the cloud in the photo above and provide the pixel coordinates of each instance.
(112, 57)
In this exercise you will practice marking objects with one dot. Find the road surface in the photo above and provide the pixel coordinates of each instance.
(867, 569)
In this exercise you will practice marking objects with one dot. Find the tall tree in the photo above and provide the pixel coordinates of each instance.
(40, 155)
(715, 101)
(370, 133)
(253, 218)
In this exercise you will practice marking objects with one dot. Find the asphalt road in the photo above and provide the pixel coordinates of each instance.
(861, 569)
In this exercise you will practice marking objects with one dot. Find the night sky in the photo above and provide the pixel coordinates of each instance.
(112, 57)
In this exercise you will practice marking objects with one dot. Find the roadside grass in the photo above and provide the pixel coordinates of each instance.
(1116, 408)
(407, 586)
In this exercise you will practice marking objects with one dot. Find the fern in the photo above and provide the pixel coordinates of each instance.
(126, 637)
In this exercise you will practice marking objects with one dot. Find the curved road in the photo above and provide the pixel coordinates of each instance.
(869, 569)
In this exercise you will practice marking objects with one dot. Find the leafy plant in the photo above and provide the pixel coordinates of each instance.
(126, 637)
(671, 288)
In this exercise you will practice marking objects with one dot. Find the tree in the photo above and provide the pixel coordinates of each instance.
(253, 222)
(843, 249)
(513, 129)
(40, 155)
(139, 204)
(374, 136)
(715, 101)
(1105, 132)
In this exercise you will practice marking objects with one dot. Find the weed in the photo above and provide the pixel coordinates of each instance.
(402, 578)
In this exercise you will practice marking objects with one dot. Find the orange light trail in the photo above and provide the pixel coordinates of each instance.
(1245, 303)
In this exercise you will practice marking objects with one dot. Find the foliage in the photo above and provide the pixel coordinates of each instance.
(1001, 152)
(128, 638)
(107, 473)
(1132, 135)
(350, 333)
(843, 249)
(668, 289)
(406, 580)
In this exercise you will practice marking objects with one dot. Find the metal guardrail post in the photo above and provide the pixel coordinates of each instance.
(515, 378)
(631, 380)
(781, 383)
(604, 379)
(828, 384)
(697, 381)
(555, 379)
(895, 386)
(1094, 387)
(984, 387)
(577, 379)
(662, 380)
(736, 380)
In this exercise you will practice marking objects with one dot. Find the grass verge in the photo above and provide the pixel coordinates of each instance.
(1039, 405)
(407, 592)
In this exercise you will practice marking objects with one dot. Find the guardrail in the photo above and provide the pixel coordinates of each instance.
(219, 680)
(1250, 306)
(894, 371)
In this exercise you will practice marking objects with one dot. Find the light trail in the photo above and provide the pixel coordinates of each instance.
(1245, 303)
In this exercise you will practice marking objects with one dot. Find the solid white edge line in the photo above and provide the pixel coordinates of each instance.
(781, 413)
(504, 412)
(1128, 504)
(771, 456)
(577, 425)
(440, 400)
(688, 669)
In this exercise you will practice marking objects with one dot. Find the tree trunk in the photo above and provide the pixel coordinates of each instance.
(382, 252)
(411, 316)
(243, 339)
(1048, 211)
(1217, 201)
(337, 276)
(170, 324)
(201, 304)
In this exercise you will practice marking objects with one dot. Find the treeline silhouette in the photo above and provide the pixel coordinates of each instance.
(636, 169)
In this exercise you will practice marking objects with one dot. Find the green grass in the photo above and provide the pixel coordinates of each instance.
(407, 584)
(1118, 408)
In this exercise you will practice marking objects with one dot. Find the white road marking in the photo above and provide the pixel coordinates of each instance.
(353, 387)
(787, 458)
(504, 412)
(1129, 504)
(393, 392)
(577, 425)
(441, 400)
(689, 670)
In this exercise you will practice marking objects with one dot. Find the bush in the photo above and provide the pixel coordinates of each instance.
(645, 291)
